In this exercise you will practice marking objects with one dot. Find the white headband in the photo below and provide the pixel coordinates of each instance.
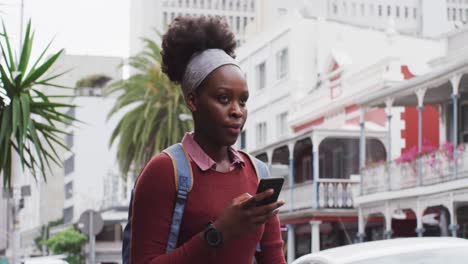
(201, 65)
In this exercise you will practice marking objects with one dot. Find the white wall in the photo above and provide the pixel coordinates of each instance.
(434, 18)
(93, 158)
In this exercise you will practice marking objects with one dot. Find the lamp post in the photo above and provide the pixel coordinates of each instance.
(13, 208)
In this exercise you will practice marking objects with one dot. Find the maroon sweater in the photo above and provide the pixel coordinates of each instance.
(212, 191)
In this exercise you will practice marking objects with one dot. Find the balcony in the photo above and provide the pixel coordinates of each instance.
(429, 169)
(332, 194)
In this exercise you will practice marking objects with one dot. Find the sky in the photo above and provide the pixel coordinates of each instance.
(83, 27)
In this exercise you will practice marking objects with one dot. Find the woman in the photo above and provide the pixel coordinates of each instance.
(198, 53)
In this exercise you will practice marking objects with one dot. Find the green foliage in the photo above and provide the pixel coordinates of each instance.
(69, 242)
(152, 105)
(28, 124)
(95, 80)
(45, 232)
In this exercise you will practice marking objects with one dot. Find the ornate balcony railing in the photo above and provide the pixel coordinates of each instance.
(432, 168)
(332, 193)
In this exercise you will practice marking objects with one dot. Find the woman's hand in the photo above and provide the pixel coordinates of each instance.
(242, 216)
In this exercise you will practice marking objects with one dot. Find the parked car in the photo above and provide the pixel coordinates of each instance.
(420, 250)
(57, 259)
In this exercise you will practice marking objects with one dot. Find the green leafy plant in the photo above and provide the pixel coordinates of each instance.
(45, 229)
(29, 124)
(152, 105)
(69, 242)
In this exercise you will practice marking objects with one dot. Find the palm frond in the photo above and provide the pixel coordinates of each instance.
(30, 124)
(152, 104)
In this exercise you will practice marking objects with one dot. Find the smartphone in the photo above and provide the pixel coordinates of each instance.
(270, 183)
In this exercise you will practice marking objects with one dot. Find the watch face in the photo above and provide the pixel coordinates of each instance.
(213, 237)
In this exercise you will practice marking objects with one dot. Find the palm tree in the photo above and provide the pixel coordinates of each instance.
(28, 124)
(152, 105)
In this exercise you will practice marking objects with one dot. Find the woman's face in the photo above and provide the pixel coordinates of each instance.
(219, 105)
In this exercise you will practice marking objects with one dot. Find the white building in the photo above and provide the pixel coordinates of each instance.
(68, 192)
(146, 16)
(426, 194)
(426, 18)
(305, 76)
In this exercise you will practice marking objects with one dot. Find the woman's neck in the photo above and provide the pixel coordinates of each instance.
(217, 153)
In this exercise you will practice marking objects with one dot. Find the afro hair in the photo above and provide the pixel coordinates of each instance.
(188, 35)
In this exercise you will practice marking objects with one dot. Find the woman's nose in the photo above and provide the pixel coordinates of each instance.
(236, 110)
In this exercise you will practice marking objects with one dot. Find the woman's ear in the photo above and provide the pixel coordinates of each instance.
(191, 100)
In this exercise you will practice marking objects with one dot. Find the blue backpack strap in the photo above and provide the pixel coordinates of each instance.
(261, 169)
(184, 181)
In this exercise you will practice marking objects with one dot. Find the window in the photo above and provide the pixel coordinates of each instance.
(406, 12)
(363, 11)
(282, 64)
(71, 112)
(243, 140)
(397, 11)
(68, 215)
(371, 8)
(307, 168)
(282, 125)
(261, 134)
(461, 14)
(354, 8)
(335, 9)
(415, 13)
(337, 161)
(69, 139)
(261, 76)
(389, 10)
(68, 190)
(380, 10)
(245, 24)
(69, 165)
(454, 14)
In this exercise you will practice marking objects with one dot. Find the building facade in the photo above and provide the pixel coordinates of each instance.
(305, 76)
(424, 192)
(148, 16)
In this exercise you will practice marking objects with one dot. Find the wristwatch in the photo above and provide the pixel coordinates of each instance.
(213, 236)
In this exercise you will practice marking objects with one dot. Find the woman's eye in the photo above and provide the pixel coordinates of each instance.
(223, 99)
(243, 101)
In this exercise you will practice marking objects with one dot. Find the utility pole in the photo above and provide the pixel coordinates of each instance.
(21, 25)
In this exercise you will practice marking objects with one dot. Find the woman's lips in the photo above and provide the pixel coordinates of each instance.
(234, 130)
